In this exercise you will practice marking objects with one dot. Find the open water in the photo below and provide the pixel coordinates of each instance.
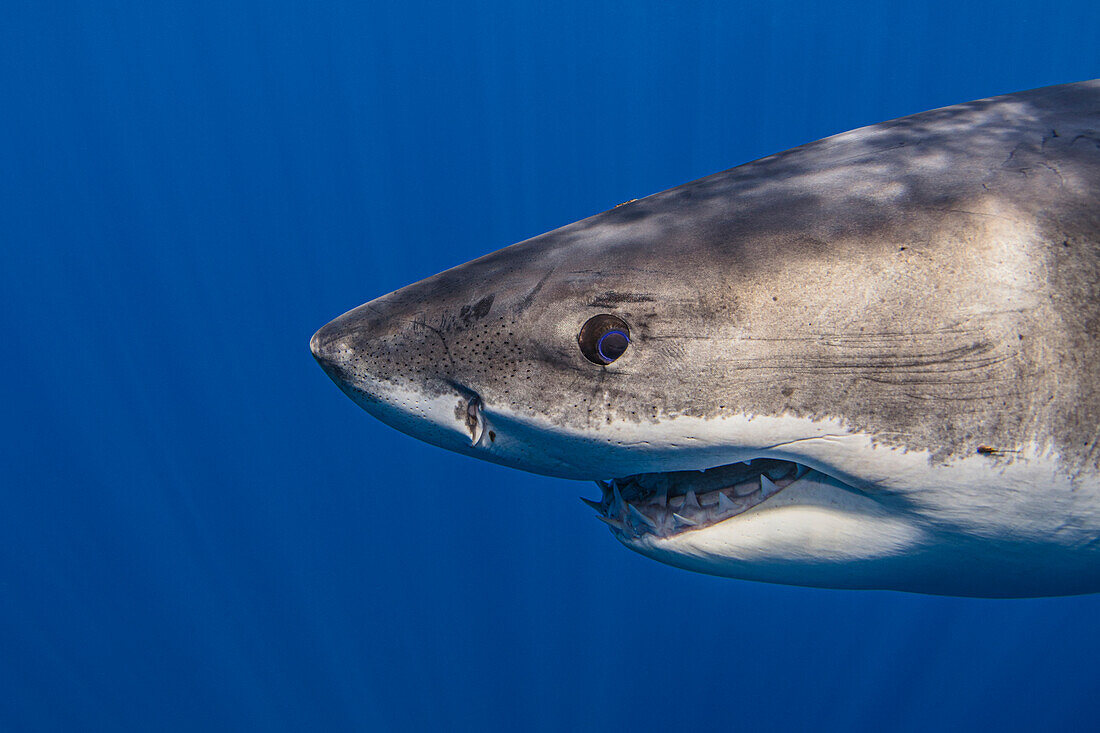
(198, 532)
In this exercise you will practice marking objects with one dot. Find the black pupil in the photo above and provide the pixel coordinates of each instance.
(612, 345)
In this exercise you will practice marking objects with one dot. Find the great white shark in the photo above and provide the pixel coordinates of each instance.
(872, 361)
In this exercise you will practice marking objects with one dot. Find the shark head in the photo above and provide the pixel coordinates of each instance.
(819, 368)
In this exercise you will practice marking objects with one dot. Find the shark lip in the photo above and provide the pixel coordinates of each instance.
(666, 504)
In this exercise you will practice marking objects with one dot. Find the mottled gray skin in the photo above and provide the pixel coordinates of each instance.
(932, 282)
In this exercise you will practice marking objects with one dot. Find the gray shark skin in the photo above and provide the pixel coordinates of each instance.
(899, 327)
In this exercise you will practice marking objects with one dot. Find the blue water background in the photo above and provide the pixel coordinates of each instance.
(199, 532)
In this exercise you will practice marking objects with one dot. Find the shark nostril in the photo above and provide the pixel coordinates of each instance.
(475, 422)
(469, 412)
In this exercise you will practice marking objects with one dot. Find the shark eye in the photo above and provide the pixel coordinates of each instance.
(604, 338)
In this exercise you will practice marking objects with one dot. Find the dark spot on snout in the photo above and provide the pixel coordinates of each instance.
(470, 313)
(787, 391)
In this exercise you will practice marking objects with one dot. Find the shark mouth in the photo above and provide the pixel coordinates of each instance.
(665, 504)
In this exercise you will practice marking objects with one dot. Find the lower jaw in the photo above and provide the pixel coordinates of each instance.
(667, 504)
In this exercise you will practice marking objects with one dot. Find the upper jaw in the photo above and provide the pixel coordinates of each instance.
(537, 443)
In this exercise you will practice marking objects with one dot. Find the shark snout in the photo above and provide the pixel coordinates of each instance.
(331, 351)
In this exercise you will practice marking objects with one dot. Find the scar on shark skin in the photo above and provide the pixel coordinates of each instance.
(987, 450)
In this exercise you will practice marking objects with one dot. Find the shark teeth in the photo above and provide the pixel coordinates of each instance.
(684, 521)
(725, 504)
(616, 499)
(637, 519)
(664, 504)
(594, 504)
